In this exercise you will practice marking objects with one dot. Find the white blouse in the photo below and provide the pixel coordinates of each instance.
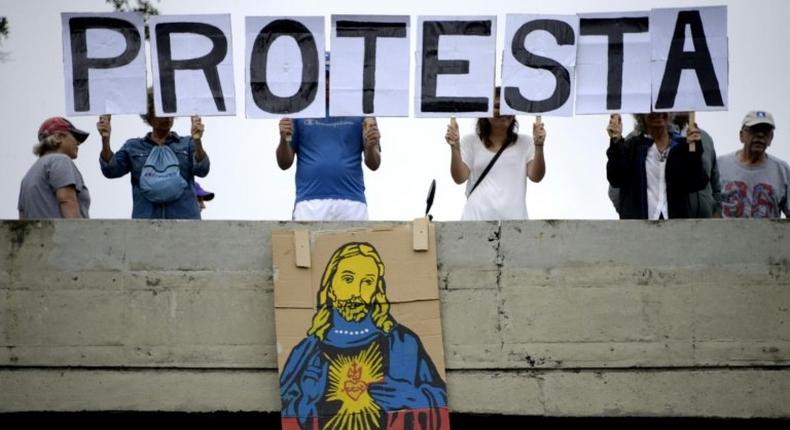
(503, 192)
(655, 168)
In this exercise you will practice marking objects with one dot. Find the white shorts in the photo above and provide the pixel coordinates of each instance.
(330, 210)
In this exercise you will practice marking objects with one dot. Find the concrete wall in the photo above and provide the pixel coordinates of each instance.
(560, 318)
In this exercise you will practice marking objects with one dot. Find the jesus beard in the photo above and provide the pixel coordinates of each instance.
(353, 309)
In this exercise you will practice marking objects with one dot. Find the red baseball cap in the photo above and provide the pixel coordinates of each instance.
(57, 123)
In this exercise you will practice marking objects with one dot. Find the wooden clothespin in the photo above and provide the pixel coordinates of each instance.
(419, 231)
(302, 248)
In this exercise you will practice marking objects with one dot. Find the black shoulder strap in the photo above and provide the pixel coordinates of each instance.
(490, 165)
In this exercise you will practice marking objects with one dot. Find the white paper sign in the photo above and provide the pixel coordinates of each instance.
(285, 67)
(192, 62)
(538, 70)
(104, 63)
(613, 63)
(690, 63)
(456, 62)
(369, 66)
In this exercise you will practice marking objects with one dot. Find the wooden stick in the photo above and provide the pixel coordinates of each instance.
(691, 127)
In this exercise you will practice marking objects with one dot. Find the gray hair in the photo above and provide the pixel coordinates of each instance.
(46, 145)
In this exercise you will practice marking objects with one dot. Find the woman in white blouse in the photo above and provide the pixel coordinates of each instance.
(502, 192)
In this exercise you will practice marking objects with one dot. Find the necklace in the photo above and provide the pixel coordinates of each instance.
(662, 155)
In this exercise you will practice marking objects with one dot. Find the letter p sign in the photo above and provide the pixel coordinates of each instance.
(104, 63)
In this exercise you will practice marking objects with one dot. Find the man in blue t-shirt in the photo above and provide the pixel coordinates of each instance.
(329, 152)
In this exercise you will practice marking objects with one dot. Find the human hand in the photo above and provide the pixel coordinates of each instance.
(370, 133)
(104, 126)
(197, 127)
(286, 129)
(538, 132)
(452, 136)
(393, 394)
(615, 127)
(693, 135)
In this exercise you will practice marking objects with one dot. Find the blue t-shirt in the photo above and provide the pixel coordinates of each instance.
(329, 158)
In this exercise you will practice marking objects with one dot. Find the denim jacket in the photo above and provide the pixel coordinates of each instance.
(131, 158)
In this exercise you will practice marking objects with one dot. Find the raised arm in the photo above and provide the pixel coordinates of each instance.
(536, 168)
(371, 141)
(113, 165)
(458, 169)
(197, 138)
(285, 153)
(105, 130)
(617, 161)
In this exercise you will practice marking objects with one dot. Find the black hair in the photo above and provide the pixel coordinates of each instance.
(149, 97)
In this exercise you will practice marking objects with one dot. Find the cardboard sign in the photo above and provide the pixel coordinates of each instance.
(369, 66)
(456, 62)
(192, 62)
(285, 67)
(538, 72)
(690, 68)
(613, 62)
(104, 63)
(359, 341)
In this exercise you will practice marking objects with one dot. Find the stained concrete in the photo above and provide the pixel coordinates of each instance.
(555, 318)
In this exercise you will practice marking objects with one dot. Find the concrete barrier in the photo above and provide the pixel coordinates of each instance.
(557, 318)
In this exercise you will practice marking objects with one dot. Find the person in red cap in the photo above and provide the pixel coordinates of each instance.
(53, 187)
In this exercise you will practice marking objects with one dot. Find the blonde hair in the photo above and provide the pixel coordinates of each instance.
(47, 144)
(322, 320)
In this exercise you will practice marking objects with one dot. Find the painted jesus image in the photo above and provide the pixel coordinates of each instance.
(358, 369)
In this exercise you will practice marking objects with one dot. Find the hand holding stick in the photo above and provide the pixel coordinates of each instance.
(692, 129)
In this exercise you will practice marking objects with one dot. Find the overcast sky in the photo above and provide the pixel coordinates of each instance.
(244, 174)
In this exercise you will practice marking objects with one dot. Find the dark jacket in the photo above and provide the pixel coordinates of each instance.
(707, 201)
(625, 170)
